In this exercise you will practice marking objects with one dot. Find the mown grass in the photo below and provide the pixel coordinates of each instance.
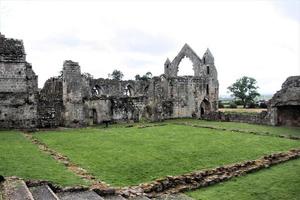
(129, 156)
(19, 157)
(280, 182)
(272, 130)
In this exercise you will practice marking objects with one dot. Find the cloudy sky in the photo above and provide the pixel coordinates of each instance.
(260, 39)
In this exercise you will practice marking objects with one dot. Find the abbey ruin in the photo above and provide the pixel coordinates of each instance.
(75, 100)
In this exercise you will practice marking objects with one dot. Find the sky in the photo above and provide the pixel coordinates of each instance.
(260, 39)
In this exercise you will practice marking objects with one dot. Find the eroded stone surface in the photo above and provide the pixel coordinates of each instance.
(74, 99)
(174, 197)
(16, 189)
(86, 195)
(284, 108)
(43, 192)
(18, 87)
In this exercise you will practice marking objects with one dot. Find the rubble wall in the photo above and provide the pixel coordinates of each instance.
(18, 87)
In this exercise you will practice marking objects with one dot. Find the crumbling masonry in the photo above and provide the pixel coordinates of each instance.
(75, 100)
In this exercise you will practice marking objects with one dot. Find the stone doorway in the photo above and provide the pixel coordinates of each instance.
(95, 118)
(205, 107)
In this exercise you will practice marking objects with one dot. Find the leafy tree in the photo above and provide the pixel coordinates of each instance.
(145, 77)
(87, 75)
(116, 75)
(137, 77)
(245, 90)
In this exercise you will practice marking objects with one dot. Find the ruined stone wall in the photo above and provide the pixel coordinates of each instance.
(50, 104)
(284, 107)
(164, 97)
(73, 95)
(18, 87)
(259, 118)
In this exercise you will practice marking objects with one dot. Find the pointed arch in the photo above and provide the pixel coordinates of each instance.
(188, 52)
(205, 107)
(129, 91)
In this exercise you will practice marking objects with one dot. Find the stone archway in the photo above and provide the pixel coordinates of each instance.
(205, 107)
(188, 52)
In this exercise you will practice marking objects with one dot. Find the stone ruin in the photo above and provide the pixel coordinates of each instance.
(74, 99)
(284, 107)
(18, 87)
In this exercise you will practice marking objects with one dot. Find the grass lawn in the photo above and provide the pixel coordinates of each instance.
(279, 182)
(282, 130)
(129, 156)
(18, 157)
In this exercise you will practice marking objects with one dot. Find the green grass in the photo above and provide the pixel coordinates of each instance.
(275, 130)
(128, 156)
(280, 182)
(19, 157)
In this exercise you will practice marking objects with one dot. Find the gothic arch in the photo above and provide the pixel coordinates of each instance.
(205, 107)
(97, 90)
(129, 91)
(188, 52)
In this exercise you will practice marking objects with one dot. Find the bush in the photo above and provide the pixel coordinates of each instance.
(232, 105)
(252, 105)
(239, 102)
(221, 105)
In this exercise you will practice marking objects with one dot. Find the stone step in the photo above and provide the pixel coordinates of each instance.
(174, 197)
(83, 195)
(43, 192)
(16, 189)
(114, 197)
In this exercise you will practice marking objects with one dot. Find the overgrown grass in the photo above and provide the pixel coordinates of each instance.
(128, 156)
(18, 157)
(275, 130)
(278, 182)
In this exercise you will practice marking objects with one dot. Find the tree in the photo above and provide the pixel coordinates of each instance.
(87, 75)
(145, 77)
(116, 75)
(245, 90)
(137, 77)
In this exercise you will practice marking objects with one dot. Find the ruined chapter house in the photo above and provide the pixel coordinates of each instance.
(74, 99)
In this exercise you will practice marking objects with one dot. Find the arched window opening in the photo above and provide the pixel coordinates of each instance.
(185, 67)
(97, 90)
(128, 91)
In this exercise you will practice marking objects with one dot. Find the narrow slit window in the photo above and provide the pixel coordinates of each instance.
(207, 69)
(207, 89)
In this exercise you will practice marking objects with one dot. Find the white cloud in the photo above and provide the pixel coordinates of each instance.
(253, 38)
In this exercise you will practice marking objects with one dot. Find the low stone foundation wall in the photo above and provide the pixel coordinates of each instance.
(259, 118)
(198, 179)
